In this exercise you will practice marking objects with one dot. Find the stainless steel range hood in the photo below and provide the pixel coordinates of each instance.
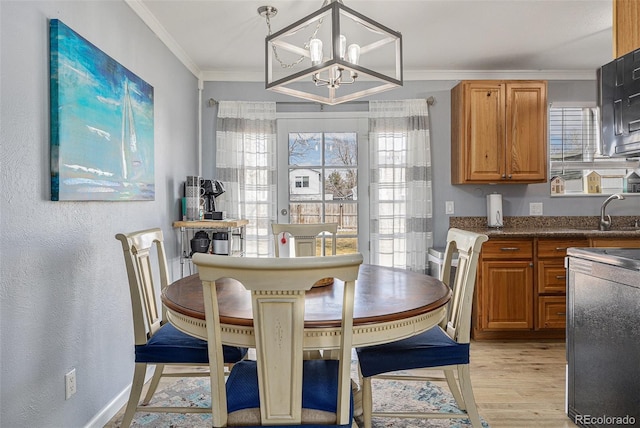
(619, 102)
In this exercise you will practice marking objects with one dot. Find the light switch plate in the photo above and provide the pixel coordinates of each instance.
(70, 384)
(449, 207)
(535, 208)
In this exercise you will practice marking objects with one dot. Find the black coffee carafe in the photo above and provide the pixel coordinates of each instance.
(200, 242)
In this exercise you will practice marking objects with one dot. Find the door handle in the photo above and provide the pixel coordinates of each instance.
(284, 211)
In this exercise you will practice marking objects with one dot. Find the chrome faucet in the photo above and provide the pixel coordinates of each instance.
(605, 219)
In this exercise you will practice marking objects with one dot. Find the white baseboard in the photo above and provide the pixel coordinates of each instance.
(113, 407)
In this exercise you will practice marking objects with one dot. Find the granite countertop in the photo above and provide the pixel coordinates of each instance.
(550, 227)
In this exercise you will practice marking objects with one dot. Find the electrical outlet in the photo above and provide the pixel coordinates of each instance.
(449, 207)
(70, 384)
(535, 208)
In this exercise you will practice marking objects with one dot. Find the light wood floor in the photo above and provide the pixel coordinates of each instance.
(516, 384)
(520, 384)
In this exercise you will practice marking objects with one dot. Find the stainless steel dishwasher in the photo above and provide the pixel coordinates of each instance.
(603, 336)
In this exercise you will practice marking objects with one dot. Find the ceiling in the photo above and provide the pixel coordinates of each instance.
(442, 39)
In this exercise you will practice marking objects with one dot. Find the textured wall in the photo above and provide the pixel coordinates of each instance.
(63, 291)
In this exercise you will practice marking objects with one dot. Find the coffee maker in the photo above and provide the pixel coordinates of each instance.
(211, 190)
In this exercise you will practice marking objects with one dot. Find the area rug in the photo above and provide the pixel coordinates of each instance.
(388, 395)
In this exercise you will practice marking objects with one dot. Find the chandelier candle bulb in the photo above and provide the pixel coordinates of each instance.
(343, 46)
(353, 55)
(315, 51)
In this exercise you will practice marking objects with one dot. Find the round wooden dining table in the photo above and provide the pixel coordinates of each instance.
(389, 304)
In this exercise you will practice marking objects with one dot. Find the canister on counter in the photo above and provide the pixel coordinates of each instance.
(221, 243)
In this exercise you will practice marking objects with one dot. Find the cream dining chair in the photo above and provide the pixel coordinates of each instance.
(444, 348)
(304, 236)
(157, 342)
(280, 387)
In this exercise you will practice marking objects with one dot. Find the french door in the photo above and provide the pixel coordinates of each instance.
(323, 174)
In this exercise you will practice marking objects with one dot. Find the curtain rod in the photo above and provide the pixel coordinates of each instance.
(212, 102)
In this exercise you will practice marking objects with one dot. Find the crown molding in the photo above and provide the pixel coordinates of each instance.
(413, 75)
(232, 76)
(500, 75)
(148, 18)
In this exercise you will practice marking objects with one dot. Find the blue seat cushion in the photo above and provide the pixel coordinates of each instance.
(170, 345)
(433, 348)
(319, 387)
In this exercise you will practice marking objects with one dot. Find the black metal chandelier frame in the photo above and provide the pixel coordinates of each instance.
(376, 81)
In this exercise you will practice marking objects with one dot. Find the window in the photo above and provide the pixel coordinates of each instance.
(302, 181)
(576, 165)
(323, 171)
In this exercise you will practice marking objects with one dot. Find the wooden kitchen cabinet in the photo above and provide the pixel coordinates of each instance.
(552, 312)
(499, 132)
(626, 26)
(521, 285)
(508, 297)
(551, 281)
(504, 292)
(615, 242)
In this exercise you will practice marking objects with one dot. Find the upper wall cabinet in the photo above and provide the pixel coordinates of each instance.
(626, 26)
(499, 132)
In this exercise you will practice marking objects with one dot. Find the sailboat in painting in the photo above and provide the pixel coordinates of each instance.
(131, 164)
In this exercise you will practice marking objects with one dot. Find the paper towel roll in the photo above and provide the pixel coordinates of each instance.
(494, 210)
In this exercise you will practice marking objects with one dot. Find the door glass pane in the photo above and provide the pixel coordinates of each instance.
(305, 148)
(305, 184)
(341, 149)
(323, 178)
(341, 184)
(305, 213)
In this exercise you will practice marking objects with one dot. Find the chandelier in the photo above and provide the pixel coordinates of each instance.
(332, 56)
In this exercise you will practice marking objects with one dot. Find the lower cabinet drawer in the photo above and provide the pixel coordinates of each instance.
(552, 312)
(558, 247)
(615, 242)
(552, 277)
(507, 249)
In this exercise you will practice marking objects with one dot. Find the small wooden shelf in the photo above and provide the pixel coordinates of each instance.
(211, 224)
(235, 229)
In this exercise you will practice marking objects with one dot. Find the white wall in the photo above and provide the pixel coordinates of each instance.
(63, 288)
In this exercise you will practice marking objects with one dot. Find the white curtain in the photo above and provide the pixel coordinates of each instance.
(246, 164)
(401, 196)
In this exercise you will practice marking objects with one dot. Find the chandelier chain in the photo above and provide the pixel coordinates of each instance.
(306, 45)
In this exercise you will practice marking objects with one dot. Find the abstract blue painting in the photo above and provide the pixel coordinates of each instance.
(102, 146)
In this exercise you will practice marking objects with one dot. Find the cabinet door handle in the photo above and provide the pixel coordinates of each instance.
(504, 176)
(561, 248)
(561, 276)
(510, 176)
(510, 249)
(561, 313)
